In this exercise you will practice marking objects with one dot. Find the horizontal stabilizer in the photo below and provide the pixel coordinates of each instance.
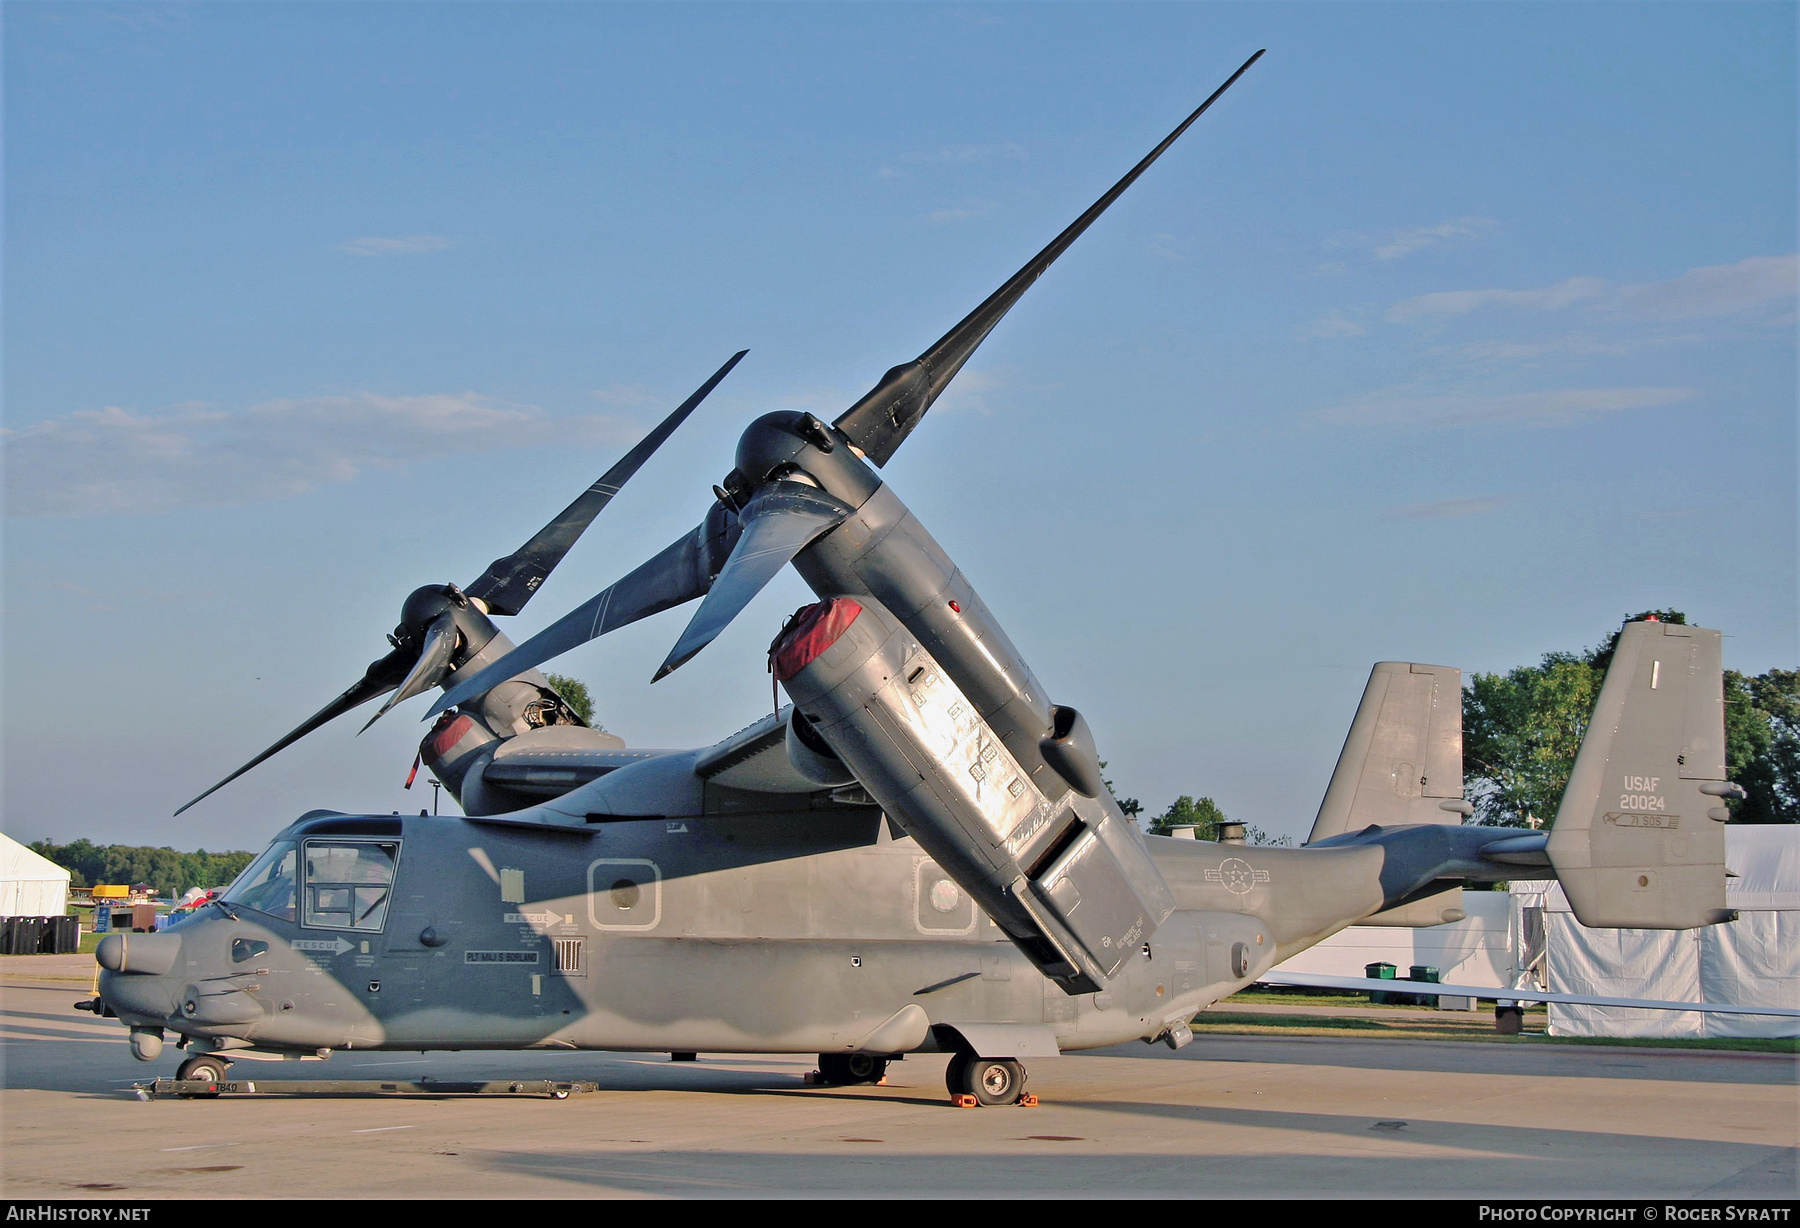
(1639, 840)
(1310, 980)
(1402, 761)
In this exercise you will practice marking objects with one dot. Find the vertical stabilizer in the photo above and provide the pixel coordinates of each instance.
(1402, 763)
(1639, 840)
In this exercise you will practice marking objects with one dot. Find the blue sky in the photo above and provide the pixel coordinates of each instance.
(1454, 333)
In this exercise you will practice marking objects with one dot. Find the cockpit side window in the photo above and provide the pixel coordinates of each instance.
(268, 885)
(348, 883)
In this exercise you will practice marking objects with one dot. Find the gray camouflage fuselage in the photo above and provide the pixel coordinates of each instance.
(812, 931)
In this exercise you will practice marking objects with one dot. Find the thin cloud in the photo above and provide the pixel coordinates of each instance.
(1449, 509)
(969, 391)
(113, 461)
(1406, 242)
(1407, 407)
(1460, 302)
(1168, 247)
(1714, 290)
(1580, 347)
(954, 155)
(404, 245)
(1335, 323)
(1707, 292)
(965, 155)
(973, 209)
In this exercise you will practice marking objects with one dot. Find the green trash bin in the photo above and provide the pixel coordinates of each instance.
(1380, 972)
(1428, 976)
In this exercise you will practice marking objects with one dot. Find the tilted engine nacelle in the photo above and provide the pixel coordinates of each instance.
(464, 742)
(1062, 873)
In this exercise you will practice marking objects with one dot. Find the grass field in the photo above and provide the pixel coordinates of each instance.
(1449, 1025)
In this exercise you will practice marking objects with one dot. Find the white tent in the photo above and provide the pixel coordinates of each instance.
(1753, 961)
(1473, 951)
(30, 885)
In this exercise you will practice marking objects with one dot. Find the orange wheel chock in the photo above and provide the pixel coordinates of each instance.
(964, 1101)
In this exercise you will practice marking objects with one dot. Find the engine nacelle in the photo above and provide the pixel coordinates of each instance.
(812, 756)
(1065, 877)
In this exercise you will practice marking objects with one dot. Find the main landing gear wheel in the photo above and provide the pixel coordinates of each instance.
(846, 1069)
(991, 1080)
(204, 1069)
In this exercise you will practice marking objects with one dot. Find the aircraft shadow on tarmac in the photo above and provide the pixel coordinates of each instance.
(1505, 1162)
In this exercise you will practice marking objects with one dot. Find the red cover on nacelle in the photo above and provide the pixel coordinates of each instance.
(814, 629)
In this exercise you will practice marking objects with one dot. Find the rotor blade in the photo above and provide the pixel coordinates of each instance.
(383, 675)
(441, 639)
(682, 572)
(882, 420)
(778, 523)
(510, 582)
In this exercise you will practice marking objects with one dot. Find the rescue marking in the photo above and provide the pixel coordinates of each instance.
(334, 946)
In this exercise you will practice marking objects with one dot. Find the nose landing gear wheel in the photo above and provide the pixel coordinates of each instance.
(991, 1080)
(845, 1069)
(205, 1069)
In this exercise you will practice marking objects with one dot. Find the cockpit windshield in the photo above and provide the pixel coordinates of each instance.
(268, 884)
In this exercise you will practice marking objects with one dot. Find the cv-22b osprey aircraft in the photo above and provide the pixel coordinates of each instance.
(916, 854)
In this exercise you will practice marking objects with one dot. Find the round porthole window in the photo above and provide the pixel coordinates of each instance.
(625, 894)
(944, 895)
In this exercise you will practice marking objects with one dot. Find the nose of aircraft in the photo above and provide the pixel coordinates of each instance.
(147, 954)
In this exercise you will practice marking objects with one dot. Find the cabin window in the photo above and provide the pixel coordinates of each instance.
(348, 883)
(940, 906)
(267, 885)
(624, 893)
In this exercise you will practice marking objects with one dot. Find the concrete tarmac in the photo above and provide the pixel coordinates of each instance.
(1225, 1117)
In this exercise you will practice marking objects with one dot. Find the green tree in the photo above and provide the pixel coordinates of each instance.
(1762, 723)
(1520, 733)
(167, 871)
(1521, 730)
(1204, 816)
(574, 693)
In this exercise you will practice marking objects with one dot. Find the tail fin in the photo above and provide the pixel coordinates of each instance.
(1402, 762)
(1639, 840)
